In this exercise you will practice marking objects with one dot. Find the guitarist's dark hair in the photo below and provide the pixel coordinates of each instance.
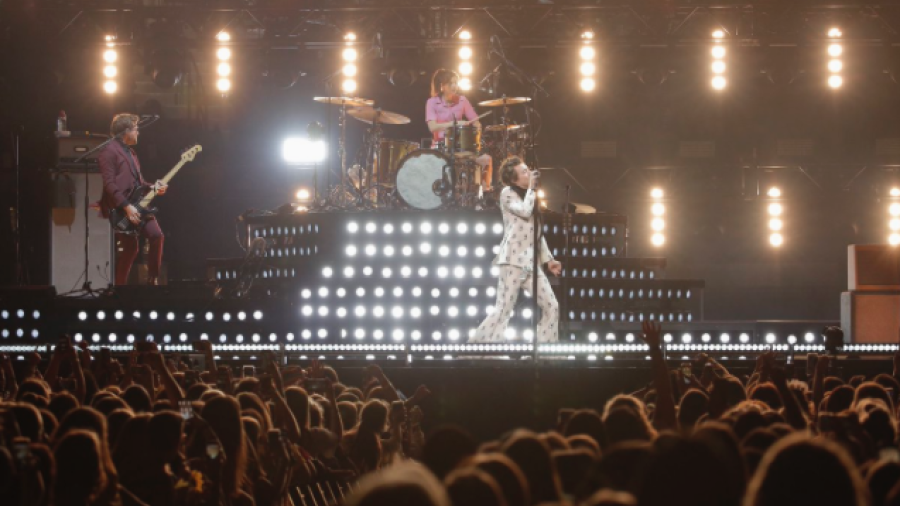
(122, 122)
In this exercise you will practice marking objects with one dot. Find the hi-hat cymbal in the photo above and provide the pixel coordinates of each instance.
(347, 101)
(497, 102)
(500, 128)
(370, 115)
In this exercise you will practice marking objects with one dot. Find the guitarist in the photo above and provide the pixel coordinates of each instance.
(121, 174)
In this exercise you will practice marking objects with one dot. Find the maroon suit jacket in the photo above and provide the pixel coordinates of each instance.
(118, 180)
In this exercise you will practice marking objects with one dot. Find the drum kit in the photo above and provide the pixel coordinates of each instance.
(396, 173)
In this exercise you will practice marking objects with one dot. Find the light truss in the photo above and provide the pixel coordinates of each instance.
(401, 23)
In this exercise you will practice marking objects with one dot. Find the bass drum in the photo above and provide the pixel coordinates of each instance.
(419, 178)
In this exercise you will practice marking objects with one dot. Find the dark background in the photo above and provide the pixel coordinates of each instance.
(716, 223)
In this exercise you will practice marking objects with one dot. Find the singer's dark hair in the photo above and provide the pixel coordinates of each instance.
(122, 122)
(440, 78)
(508, 170)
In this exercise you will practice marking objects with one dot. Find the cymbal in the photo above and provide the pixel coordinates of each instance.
(369, 115)
(500, 128)
(497, 102)
(347, 101)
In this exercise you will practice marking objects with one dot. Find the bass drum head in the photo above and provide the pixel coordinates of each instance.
(419, 177)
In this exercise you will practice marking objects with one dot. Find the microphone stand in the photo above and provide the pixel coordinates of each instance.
(564, 288)
(86, 286)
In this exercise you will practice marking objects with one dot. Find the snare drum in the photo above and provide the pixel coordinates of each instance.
(387, 160)
(467, 139)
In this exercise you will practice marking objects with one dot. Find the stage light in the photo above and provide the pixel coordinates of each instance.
(303, 151)
(718, 83)
(110, 56)
(465, 53)
(587, 53)
(718, 34)
(223, 53)
(658, 239)
(774, 192)
(718, 52)
(349, 70)
(349, 54)
(588, 69)
(588, 84)
(775, 224)
(658, 209)
(110, 71)
(223, 85)
(302, 194)
(110, 87)
(835, 81)
(835, 50)
(465, 68)
(894, 224)
(894, 239)
(894, 209)
(770, 338)
(82, 315)
(348, 86)
(775, 209)
(776, 240)
(658, 224)
(834, 33)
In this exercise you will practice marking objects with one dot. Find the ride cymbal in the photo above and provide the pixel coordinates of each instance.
(347, 101)
(497, 102)
(370, 115)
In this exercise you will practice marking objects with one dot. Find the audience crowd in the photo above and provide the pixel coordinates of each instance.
(162, 430)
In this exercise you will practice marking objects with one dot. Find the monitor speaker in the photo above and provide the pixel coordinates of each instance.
(873, 267)
(870, 317)
(67, 237)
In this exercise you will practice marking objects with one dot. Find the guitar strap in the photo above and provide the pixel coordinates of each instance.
(134, 171)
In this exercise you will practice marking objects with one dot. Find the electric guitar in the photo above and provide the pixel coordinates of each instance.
(141, 197)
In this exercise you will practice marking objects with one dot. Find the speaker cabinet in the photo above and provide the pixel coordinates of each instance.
(67, 234)
(870, 317)
(873, 267)
(69, 149)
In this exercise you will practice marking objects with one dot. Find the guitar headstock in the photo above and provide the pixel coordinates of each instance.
(188, 156)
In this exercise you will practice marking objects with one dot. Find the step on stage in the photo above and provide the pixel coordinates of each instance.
(405, 286)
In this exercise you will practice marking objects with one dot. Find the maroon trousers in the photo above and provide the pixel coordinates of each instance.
(127, 251)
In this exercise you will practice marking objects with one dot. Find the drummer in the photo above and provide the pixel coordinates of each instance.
(446, 104)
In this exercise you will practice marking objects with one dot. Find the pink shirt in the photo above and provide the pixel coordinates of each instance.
(437, 110)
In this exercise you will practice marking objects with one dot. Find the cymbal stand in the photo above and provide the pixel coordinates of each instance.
(505, 128)
(448, 174)
(342, 147)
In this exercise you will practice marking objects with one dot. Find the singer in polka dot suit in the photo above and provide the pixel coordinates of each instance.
(515, 259)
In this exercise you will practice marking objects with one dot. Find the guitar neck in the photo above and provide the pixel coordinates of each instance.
(165, 180)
